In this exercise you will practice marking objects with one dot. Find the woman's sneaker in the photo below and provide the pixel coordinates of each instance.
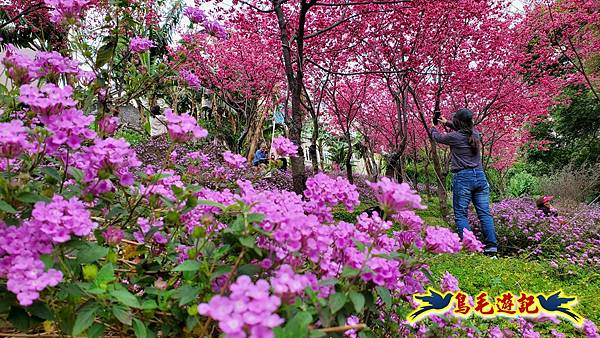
(491, 254)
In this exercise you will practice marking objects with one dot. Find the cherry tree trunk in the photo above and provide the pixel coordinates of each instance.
(255, 135)
(441, 184)
(349, 160)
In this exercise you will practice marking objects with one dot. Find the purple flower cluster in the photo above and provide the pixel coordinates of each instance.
(108, 124)
(191, 79)
(570, 238)
(52, 64)
(113, 235)
(215, 28)
(183, 127)
(470, 242)
(441, 240)
(106, 157)
(21, 247)
(248, 310)
(60, 219)
(21, 69)
(234, 160)
(145, 227)
(196, 15)
(286, 283)
(395, 197)
(66, 9)
(140, 44)
(324, 192)
(13, 139)
(68, 128)
(284, 147)
(449, 283)
(48, 100)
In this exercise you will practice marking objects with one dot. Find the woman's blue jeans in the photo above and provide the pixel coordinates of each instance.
(472, 185)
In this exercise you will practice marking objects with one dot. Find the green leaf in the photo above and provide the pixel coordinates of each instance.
(327, 282)
(21, 320)
(116, 211)
(76, 174)
(298, 325)
(7, 207)
(40, 310)
(249, 242)
(122, 314)
(337, 301)
(126, 298)
(188, 266)
(186, 294)
(139, 328)
(106, 274)
(52, 172)
(85, 318)
(90, 253)
(316, 333)
(255, 218)
(359, 245)
(220, 271)
(249, 269)
(96, 330)
(350, 272)
(149, 304)
(105, 53)
(29, 197)
(358, 300)
(385, 295)
(212, 204)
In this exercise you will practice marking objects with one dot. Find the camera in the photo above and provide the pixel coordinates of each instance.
(436, 117)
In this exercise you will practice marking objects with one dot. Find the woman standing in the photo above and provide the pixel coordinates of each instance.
(469, 182)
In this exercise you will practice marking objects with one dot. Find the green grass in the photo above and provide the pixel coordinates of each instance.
(476, 273)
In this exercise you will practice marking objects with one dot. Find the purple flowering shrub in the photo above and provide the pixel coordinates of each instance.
(572, 237)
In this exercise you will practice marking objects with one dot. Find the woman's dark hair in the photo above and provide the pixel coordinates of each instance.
(463, 122)
(155, 110)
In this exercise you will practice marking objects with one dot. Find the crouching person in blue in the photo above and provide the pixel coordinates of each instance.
(469, 181)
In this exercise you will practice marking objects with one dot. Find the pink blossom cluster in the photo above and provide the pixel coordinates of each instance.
(60, 219)
(53, 63)
(108, 124)
(140, 44)
(215, 28)
(449, 283)
(470, 242)
(183, 127)
(163, 186)
(196, 15)
(113, 235)
(248, 311)
(13, 139)
(21, 246)
(145, 226)
(396, 197)
(22, 69)
(590, 329)
(191, 79)
(48, 100)
(284, 147)
(68, 128)
(235, 161)
(286, 282)
(441, 240)
(106, 157)
(324, 192)
(66, 9)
